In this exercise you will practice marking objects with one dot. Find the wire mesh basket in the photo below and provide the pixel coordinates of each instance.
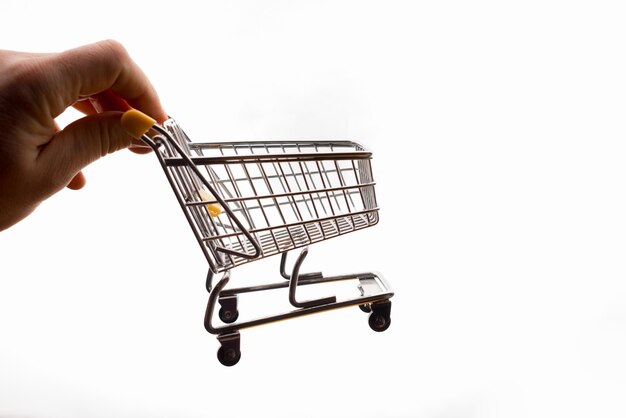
(277, 196)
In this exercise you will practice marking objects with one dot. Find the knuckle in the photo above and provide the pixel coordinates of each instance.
(103, 131)
(109, 137)
(115, 48)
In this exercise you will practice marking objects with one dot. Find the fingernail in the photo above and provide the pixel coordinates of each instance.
(136, 123)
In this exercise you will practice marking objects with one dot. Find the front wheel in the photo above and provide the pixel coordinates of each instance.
(228, 356)
(379, 322)
(380, 318)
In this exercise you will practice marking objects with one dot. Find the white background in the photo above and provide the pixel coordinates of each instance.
(498, 137)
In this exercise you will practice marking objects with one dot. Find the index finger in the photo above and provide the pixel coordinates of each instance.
(92, 69)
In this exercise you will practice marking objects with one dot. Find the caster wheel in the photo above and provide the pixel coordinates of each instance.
(365, 308)
(228, 312)
(378, 322)
(228, 356)
(228, 316)
(380, 318)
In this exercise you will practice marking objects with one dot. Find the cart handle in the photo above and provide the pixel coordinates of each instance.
(137, 124)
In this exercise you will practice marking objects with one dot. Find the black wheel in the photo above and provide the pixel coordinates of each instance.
(365, 308)
(228, 316)
(379, 322)
(228, 356)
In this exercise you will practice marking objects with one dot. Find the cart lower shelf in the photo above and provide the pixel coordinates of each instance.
(374, 295)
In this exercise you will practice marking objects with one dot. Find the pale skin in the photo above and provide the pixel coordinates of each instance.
(37, 159)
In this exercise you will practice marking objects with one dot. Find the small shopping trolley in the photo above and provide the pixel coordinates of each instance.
(246, 201)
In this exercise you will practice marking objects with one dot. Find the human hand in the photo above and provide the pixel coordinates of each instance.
(37, 159)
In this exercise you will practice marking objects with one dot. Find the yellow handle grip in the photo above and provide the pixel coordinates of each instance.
(136, 123)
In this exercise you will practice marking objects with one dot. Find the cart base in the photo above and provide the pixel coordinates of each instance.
(374, 298)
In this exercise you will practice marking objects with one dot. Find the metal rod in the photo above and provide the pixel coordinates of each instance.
(293, 285)
(321, 220)
(303, 276)
(256, 247)
(354, 155)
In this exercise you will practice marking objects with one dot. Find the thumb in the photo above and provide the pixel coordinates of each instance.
(83, 142)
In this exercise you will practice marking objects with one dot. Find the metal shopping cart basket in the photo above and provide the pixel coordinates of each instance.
(246, 201)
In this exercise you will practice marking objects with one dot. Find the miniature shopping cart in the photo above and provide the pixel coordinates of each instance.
(246, 201)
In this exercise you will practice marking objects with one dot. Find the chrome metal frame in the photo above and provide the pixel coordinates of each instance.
(276, 196)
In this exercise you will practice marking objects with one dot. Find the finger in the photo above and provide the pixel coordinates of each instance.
(101, 102)
(84, 106)
(92, 69)
(140, 149)
(79, 144)
(107, 101)
(77, 182)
